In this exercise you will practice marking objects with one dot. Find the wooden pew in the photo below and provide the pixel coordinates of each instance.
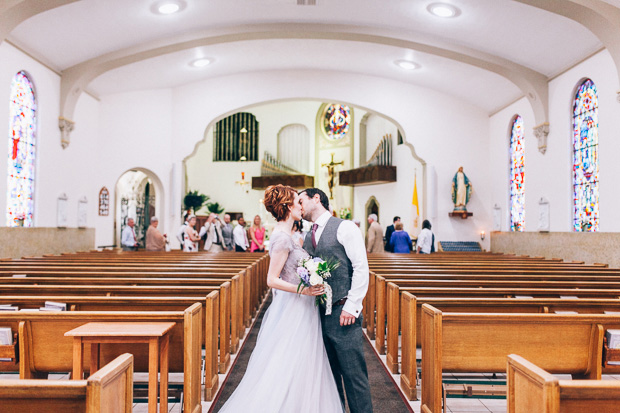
(411, 316)
(44, 349)
(480, 343)
(532, 389)
(108, 390)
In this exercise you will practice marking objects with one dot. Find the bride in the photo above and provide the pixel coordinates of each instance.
(288, 370)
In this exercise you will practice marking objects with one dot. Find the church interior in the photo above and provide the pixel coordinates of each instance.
(482, 117)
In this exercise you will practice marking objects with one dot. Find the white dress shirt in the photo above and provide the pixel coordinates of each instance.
(240, 236)
(128, 238)
(425, 239)
(349, 236)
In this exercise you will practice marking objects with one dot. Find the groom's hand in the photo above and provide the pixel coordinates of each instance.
(346, 319)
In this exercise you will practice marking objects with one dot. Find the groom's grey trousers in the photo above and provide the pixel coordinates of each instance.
(345, 350)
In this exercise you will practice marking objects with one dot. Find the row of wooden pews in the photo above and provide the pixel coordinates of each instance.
(212, 298)
(468, 312)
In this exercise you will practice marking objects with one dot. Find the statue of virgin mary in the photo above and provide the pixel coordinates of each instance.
(461, 190)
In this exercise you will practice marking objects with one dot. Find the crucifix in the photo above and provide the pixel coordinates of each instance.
(330, 172)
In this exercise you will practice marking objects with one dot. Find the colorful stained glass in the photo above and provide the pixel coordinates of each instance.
(22, 151)
(517, 175)
(336, 121)
(585, 158)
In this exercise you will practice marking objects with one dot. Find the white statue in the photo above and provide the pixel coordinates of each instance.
(461, 190)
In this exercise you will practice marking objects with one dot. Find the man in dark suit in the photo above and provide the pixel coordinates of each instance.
(388, 235)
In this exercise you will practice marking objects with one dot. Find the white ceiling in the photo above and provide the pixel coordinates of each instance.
(539, 40)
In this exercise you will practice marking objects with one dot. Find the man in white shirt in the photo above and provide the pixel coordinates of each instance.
(240, 236)
(425, 239)
(128, 237)
(211, 232)
(335, 239)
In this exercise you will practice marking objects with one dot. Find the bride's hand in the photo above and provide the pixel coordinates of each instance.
(314, 290)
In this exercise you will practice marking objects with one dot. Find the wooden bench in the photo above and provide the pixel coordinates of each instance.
(532, 389)
(44, 349)
(480, 343)
(108, 390)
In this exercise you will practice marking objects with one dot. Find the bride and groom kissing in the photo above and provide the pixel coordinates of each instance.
(305, 360)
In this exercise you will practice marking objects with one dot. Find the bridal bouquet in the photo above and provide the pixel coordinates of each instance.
(315, 271)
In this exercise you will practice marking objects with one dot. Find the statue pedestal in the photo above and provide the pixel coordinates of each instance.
(461, 214)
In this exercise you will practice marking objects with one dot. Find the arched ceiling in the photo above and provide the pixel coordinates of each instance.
(494, 52)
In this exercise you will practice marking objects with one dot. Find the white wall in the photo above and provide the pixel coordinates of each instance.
(550, 175)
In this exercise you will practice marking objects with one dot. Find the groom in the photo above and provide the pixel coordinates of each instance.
(339, 240)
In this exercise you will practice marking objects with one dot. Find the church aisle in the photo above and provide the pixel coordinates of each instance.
(385, 395)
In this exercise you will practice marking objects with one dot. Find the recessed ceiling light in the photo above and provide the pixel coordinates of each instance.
(202, 62)
(168, 6)
(406, 64)
(443, 10)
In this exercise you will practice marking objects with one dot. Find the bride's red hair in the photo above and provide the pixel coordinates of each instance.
(278, 199)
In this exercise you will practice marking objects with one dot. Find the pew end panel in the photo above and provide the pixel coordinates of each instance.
(530, 388)
(409, 370)
(211, 345)
(393, 326)
(111, 387)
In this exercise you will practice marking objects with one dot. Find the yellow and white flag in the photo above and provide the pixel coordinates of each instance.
(414, 202)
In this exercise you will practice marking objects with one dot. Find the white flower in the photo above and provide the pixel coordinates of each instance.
(316, 279)
(312, 266)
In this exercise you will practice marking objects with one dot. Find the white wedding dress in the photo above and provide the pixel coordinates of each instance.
(288, 370)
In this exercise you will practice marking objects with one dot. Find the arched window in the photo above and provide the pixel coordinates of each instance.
(336, 121)
(22, 152)
(517, 175)
(585, 158)
(235, 138)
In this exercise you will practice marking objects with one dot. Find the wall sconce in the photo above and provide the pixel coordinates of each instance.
(482, 234)
(243, 183)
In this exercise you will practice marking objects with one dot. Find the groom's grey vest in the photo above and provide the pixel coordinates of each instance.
(329, 249)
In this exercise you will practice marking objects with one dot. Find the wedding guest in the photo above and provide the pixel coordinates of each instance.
(240, 236)
(155, 241)
(227, 234)
(257, 233)
(425, 239)
(190, 236)
(182, 230)
(128, 237)
(400, 241)
(388, 234)
(298, 235)
(211, 232)
(375, 235)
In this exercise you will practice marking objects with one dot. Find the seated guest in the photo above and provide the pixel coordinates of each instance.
(211, 232)
(425, 239)
(190, 236)
(227, 234)
(400, 242)
(388, 234)
(155, 241)
(128, 237)
(240, 236)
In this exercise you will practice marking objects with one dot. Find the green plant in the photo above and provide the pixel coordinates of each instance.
(194, 200)
(215, 207)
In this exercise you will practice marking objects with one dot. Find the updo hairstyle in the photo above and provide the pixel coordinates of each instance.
(277, 200)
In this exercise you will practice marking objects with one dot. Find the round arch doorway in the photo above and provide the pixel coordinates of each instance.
(136, 198)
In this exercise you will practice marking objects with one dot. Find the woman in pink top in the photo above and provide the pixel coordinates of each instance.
(257, 233)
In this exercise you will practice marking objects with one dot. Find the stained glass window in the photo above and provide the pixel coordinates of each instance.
(585, 158)
(517, 174)
(22, 150)
(336, 121)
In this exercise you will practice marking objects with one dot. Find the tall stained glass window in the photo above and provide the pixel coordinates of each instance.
(336, 121)
(517, 174)
(585, 158)
(22, 151)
